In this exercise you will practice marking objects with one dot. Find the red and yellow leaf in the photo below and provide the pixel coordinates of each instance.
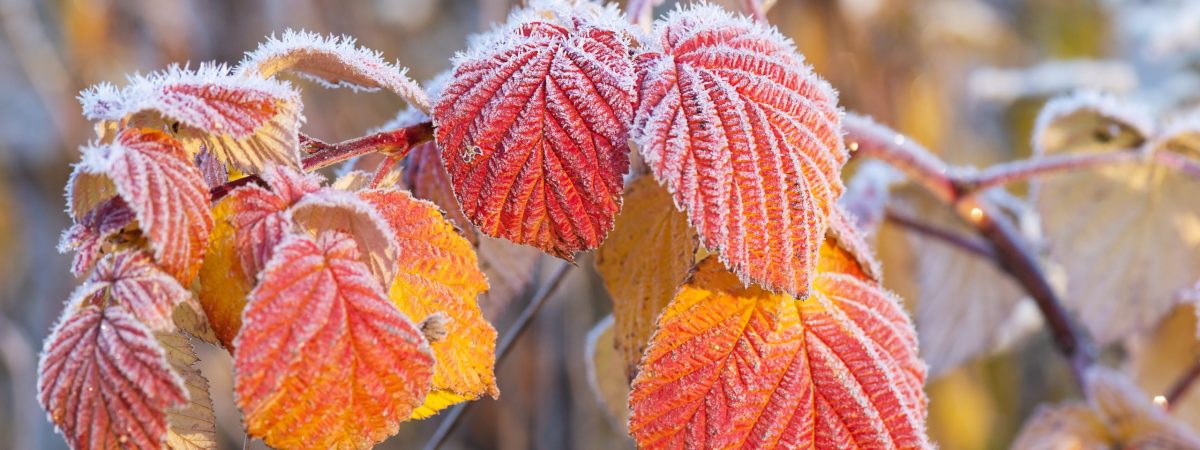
(324, 359)
(438, 272)
(644, 260)
(747, 139)
(736, 366)
(105, 381)
(243, 121)
(156, 179)
(88, 236)
(131, 279)
(333, 210)
(224, 281)
(258, 215)
(333, 62)
(533, 127)
(426, 177)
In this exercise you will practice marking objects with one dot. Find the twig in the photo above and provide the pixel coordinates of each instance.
(1178, 162)
(506, 344)
(394, 143)
(381, 172)
(1012, 254)
(755, 9)
(1016, 171)
(1180, 388)
(959, 241)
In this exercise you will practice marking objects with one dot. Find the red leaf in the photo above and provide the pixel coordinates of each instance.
(258, 214)
(87, 236)
(134, 281)
(534, 125)
(323, 358)
(747, 139)
(106, 382)
(167, 194)
(737, 366)
(243, 121)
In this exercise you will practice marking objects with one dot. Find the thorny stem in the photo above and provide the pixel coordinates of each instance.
(506, 344)
(394, 143)
(1012, 253)
(964, 243)
(1180, 388)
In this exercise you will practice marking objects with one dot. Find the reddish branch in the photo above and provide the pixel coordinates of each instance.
(1181, 386)
(393, 143)
(964, 243)
(955, 187)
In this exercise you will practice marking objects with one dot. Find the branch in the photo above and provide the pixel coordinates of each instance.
(1180, 388)
(1178, 162)
(1016, 171)
(506, 344)
(956, 240)
(1012, 253)
(393, 143)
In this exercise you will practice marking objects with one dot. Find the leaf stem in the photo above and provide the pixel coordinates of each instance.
(1023, 170)
(394, 143)
(502, 349)
(1012, 253)
(1181, 386)
(964, 243)
(383, 169)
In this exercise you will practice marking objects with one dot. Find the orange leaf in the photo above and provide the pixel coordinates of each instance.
(737, 366)
(323, 358)
(106, 382)
(643, 261)
(747, 139)
(224, 281)
(438, 272)
(426, 178)
(156, 179)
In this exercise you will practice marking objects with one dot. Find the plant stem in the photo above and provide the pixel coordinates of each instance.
(1012, 253)
(1015, 171)
(957, 240)
(1180, 388)
(382, 171)
(394, 143)
(502, 349)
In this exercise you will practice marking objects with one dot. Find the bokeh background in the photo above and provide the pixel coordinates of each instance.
(963, 77)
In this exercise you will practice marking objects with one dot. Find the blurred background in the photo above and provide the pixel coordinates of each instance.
(963, 77)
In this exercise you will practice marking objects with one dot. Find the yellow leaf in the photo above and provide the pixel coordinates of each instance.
(606, 373)
(223, 283)
(643, 261)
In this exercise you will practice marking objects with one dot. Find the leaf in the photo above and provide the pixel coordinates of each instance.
(243, 121)
(224, 281)
(607, 373)
(737, 366)
(105, 382)
(332, 210)
(194, 426)
(211, 168)
(88, 236)
(131, 279)
(746, 138)
(647, 256)
(426, 177)
(438, 272)
(1159, 358)
(966, 306)
(1126, 235)
(155, 178)
(533, 127)
(324, 359)
(332, 62)
(1119, 415)
(258, 214)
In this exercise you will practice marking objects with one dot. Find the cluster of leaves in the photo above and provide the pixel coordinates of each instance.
(748, 309)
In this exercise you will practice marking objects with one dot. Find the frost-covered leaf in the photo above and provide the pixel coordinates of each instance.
(332, 210)
(747, 139)
(212, 169)
(644, 260)
(1128, 235)
(606, 373)
(131, 279)
(156, 179)
(105, 382)
(258, 213)
(193, 426)
(533, 126)
(245, 122)
(224, 281)
(737, 366)
(354, 180)
(1118, 415)
(1159, 358)
(324, 359)
(438, 272)
(333, 62)
(88, 235)
(966, 306)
